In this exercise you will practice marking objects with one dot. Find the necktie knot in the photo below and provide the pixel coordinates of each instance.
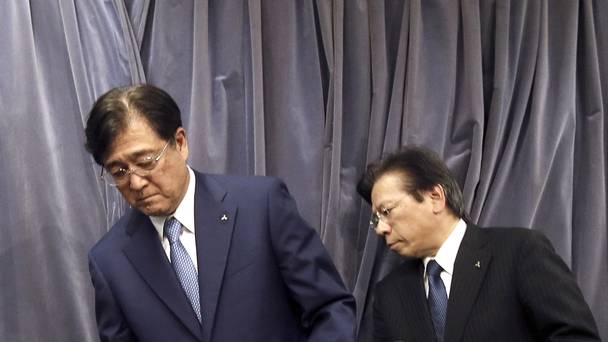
(433, 269)
(173, 230)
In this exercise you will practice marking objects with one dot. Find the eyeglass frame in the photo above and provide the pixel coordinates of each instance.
(134, 170)
(382, 214)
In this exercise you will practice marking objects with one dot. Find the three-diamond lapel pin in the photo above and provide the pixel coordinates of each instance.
(224, 218)
(478, 264)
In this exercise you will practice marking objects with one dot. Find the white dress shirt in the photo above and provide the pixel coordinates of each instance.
(446, 256)
(185, 215)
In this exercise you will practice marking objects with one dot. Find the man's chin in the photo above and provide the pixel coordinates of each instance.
(403, 250)
(152, 208)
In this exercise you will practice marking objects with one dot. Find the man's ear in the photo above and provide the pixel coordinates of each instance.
(182, 142)
(437, 196)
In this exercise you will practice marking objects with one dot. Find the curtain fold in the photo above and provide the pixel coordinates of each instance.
(589, 218)
(54, 208)
(499, 89)
(511, 93)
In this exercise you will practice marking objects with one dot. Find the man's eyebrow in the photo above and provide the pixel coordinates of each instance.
(379, 207)
(132, 157)
(383, 204)
(113, 164)
(141, 153)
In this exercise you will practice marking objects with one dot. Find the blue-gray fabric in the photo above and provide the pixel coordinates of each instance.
(511, 93)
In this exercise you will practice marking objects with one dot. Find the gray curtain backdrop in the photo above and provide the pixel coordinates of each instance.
(511, 93)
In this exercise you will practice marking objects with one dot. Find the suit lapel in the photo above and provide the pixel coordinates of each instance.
(214, 215)
(147, 256)
(417, 324)
(472, 262)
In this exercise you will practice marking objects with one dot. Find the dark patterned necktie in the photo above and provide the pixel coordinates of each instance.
(438, 298)
(183, 265)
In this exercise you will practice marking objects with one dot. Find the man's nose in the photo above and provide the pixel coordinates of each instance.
(382, 228)
(136, 182)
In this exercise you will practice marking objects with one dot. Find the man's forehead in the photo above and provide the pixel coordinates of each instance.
(387, 188)
(135, 139)
(133, 150)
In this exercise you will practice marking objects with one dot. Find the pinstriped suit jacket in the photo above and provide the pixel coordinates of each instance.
(521, 291)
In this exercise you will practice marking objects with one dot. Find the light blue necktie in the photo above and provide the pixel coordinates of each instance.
(438, 298)
(183, 265)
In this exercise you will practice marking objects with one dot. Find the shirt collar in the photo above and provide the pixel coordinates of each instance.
(446, 255)
(184, 212)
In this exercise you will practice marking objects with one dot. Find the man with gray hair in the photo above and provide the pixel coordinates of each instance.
(201, 257)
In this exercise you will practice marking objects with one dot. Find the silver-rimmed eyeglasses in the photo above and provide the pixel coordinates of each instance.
(118, 175)
(383, 214)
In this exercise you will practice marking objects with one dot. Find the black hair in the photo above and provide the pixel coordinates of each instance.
(421, 170)
(113, 110)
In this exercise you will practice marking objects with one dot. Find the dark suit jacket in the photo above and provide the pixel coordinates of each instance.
(264, 274)
(521, 291)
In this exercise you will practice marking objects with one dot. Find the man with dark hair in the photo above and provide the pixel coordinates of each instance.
(201, 257)
(459, 282)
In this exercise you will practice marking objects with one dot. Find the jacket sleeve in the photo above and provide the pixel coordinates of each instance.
(551, 297)
(111, 324)
(327, 308)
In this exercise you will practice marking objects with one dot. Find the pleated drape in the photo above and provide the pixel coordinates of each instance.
(511, 93)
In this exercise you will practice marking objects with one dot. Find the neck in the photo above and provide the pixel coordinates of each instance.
(446, 226)
(183, 192)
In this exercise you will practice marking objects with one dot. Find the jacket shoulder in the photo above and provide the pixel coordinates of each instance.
(114, 239)
(234, 182)
(510, 236)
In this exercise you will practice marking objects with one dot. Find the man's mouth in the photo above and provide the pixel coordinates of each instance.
(145, 198)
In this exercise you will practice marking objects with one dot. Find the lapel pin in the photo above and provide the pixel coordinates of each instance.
(478, 264)
(224, 218)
